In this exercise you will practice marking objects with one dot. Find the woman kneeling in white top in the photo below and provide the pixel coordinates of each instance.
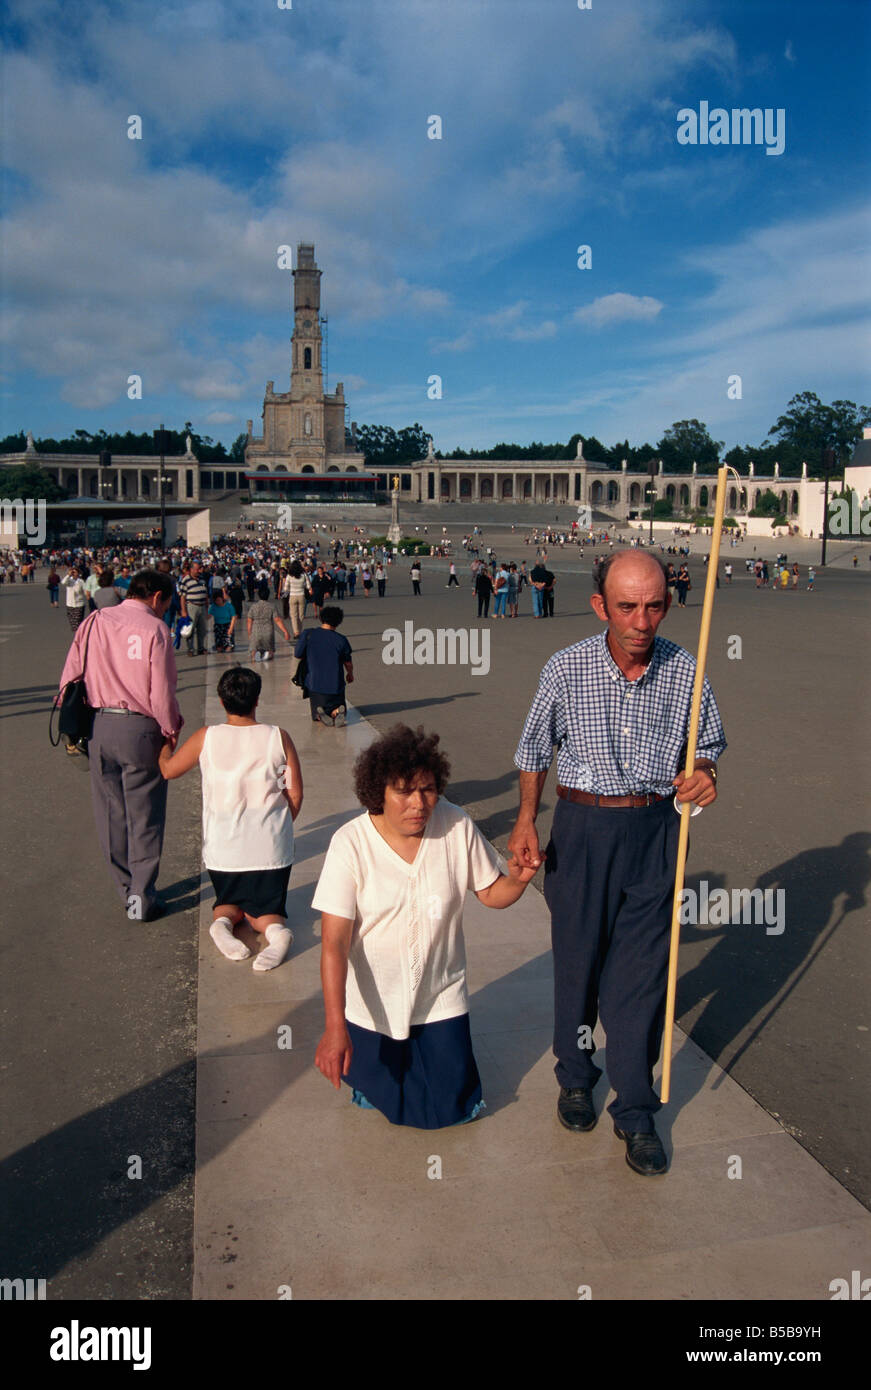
(252, 794)
(391, 893)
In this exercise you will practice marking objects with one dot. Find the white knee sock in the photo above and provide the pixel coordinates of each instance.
(280, 940)
(221, 932)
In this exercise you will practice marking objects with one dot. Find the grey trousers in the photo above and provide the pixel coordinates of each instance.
(199, 616)
(129, 796)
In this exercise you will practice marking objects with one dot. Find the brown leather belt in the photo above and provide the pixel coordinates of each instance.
(592, 799)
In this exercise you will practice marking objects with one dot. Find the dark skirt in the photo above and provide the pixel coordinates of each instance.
(259, 892)
(428, 1080)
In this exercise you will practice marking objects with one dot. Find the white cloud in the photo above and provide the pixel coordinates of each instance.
(512, 323)
(788, 52)
(609, 309)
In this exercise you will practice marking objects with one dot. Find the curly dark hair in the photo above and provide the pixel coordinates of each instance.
(395, 759)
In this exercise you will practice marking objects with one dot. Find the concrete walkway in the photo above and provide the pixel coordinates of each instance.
(300, 1194)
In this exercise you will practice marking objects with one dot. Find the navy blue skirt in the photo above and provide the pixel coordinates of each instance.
(259, 892)
(428, 1080)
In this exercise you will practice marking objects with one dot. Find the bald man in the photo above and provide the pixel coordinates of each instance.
(617, 708)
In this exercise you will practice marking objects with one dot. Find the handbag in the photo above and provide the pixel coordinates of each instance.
(76, 716)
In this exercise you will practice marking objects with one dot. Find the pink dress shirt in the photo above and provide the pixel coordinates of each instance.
(130, 663)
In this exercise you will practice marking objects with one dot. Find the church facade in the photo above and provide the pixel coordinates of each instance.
(303, 429)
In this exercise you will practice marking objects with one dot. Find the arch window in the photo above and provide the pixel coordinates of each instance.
(307, 468)
(307, 359)
(613, 492)
(703, 497)
(507, 488)
(486, 488)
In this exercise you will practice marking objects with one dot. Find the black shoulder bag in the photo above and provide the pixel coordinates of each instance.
(76, 717)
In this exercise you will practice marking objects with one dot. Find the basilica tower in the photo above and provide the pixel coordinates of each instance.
(306, 374)
(303, 428)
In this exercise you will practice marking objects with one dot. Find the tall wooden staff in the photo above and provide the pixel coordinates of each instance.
(686, 808)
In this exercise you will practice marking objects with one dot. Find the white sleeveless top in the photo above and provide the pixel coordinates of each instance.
(247, 822)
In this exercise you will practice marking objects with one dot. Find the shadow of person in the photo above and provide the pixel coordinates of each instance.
(402, 706)
(760, 955)
(68, 1190)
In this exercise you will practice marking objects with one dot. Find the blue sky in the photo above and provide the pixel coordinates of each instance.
(457, 256)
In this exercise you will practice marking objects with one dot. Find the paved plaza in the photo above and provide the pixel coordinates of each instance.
(126, 1039)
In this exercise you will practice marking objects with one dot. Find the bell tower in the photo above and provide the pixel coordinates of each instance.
(305, 365)
(303, 429)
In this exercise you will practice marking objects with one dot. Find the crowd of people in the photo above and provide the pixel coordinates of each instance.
(396, 1011)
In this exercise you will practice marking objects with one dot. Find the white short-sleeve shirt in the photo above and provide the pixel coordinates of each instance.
(407, 963)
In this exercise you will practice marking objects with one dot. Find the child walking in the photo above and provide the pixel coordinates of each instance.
(252, 794)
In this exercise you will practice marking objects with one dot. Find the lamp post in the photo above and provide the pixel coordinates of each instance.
(828, 464)
(651, 492)
(160, 441)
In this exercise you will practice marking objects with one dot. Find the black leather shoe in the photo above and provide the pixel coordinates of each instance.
(644, 1153)
(575, 1109)
(159, 908)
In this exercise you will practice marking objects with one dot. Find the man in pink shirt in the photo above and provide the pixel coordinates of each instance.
(130, 679)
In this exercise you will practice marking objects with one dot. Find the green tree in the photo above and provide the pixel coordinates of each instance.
(808, 426)
(385, 447)
(768, 504)
(686, 442)
(662, 508)
(28, 480)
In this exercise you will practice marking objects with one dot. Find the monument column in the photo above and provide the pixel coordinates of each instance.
(394, 535)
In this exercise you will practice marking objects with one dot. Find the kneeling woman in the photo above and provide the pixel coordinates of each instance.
(393, 959)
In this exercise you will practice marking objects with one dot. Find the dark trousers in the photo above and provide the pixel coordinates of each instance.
(483, 604)
(129, 796)
(318, 700)
(547, 595)
(609, 884)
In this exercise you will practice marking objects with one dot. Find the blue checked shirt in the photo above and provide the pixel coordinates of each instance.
(615, 736)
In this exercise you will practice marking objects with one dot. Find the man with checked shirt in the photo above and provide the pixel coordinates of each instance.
(617, 708)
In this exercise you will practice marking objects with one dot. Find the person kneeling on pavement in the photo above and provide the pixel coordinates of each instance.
(252, 794)
(328, 655)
